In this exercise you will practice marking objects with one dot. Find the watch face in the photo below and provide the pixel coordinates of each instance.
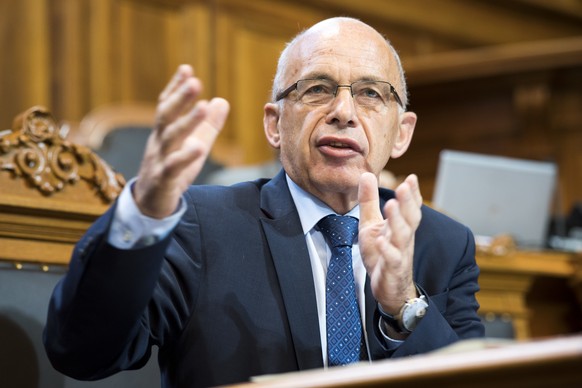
(412, 313)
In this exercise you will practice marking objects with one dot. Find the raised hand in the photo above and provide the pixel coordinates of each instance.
(184, 132)
(387, 243)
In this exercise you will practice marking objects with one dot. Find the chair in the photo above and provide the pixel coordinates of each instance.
(51, 190)
(35, 153)
(118, 133)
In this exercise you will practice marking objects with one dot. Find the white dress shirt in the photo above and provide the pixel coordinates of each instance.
(311, 210)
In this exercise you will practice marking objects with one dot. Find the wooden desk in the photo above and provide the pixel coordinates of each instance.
(507, 284)
(543, 363)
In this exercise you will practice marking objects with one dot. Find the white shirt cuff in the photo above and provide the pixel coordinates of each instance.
(131, 229)
(394, 342)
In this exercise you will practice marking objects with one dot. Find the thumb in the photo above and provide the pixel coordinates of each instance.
(369, 199)
(217, 112)
(218, 109)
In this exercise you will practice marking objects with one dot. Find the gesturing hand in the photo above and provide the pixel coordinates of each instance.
(387, 245)
(184, 132)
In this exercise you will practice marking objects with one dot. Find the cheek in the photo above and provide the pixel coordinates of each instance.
(292, 143)
(298, 131)
(380, 141)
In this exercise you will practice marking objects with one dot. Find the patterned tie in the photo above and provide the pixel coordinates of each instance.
(344, 328)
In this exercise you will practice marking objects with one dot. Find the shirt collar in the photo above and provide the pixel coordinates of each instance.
(310, 208)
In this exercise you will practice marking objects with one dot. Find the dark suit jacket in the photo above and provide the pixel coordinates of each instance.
(229, 294)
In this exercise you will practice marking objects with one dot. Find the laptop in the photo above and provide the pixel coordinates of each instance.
(495, 195)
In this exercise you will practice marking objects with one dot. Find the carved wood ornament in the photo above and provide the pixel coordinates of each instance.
(36, 150)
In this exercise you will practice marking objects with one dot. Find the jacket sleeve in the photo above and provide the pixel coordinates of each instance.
(96, 324)
(446, 270)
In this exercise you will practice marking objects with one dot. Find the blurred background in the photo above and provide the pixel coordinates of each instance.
(500, 77)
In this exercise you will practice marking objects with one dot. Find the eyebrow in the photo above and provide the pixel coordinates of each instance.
(324, 76)
(318, 75)
(370, 79)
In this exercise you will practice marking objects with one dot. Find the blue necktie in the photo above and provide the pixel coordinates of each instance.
(344, 328)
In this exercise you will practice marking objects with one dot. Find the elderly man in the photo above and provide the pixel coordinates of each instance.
(314, 268)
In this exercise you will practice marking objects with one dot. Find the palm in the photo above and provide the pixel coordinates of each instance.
(387, 243)
(183, 136)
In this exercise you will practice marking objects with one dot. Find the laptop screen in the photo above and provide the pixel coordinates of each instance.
(496, 195)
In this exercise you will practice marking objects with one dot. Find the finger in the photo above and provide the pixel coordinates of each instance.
(217, 112)
(410, 200)
(401, 230)
(172, 137)
(177, 102)
(183, 72)
(206, 118)
(194, 134)
(414, 186)
(369, 199)
(390, 253)
(190, 156)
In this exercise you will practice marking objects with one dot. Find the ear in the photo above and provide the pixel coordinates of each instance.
(271, 124)
(407, 122)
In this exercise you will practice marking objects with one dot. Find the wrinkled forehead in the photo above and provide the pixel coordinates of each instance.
(345, 51)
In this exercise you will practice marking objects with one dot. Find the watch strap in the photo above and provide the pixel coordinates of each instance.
(396, 322)
(390, 320)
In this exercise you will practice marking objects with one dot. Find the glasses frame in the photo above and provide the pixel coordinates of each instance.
(293, 87)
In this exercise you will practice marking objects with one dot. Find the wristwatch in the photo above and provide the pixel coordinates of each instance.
(409, 315)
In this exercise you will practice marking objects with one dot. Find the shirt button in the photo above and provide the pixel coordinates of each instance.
(148, 240)
(127, 235)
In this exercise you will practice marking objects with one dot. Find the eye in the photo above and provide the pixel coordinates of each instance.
(368, 92)
(318, 88)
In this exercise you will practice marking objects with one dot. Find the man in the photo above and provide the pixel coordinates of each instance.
(230, 282)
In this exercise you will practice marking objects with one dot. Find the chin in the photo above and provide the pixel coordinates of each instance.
(337, 181)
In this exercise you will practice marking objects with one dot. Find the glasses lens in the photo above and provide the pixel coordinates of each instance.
(371, 93)
(316, 91)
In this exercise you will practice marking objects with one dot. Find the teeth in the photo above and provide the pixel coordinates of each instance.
(339, 145)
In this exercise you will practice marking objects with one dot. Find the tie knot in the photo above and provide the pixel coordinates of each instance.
(339, 230)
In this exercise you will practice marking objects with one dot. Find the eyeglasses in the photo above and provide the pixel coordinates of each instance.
(371, 94)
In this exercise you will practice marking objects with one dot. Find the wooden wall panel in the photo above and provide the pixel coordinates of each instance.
(249, 40)
(192, 41)
(76, 55)
(67, 62)
(24, 65)
(522, 115)
(566, 122)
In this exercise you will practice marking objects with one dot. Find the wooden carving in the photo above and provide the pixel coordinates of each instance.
(36, 150)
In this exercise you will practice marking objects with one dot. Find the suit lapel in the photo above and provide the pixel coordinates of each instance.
(291, 260)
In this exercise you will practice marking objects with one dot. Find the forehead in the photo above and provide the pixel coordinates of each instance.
(344, 52)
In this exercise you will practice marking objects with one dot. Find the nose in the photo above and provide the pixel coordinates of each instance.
(343, 109)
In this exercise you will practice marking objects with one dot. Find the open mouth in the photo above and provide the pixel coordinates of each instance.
(335, 146)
